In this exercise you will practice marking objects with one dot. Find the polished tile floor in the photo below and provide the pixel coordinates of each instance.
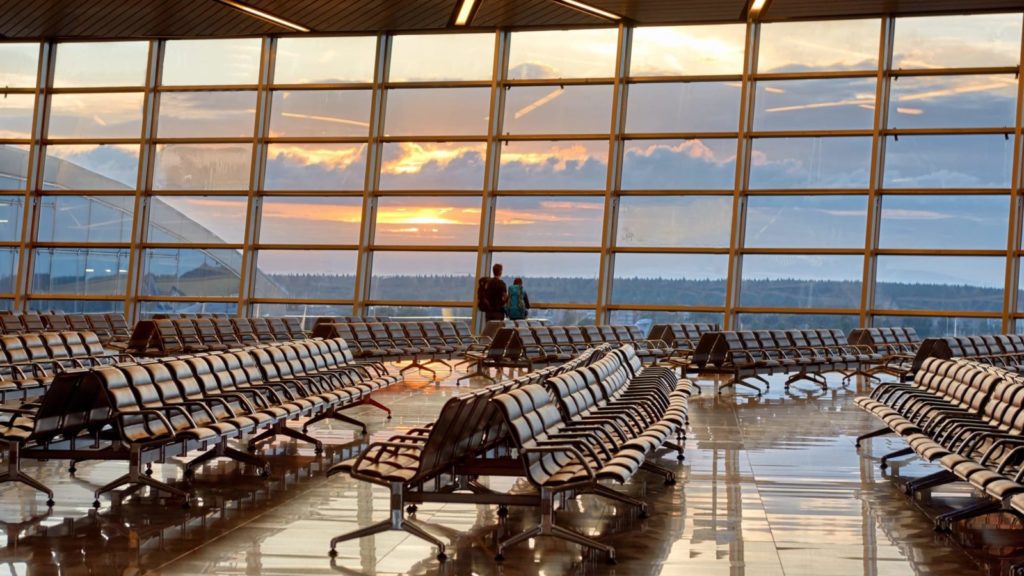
(771, 485)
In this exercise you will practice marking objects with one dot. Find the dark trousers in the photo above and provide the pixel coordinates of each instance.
(488, 316)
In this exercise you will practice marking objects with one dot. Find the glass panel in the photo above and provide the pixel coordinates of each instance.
(551, 277)
(402, 276)
(674, 221)
(297, 220)
(686, 107)
(315, 167)
(16, 115)
(116, 115)
(206, 114)
(670, 279)
(797, 322)
(203, 62)
(8, 269)
(308, 313)
(19, 62)
(818, 45)
(202, 166)
(801, 281)
(188, 272)
(939, 326)
(939, 283)
(433, 166)
(952, 101)
(89, 64)
(422, 313)
(10, 217)
(963, 222)
(325, 60)
(91, 167)
(85, 218)
(687, 50)
(830, 104)
(708, 164)
(548, 221)
(558, 109)
(564, 316)
(437, 111)
(957, 41)
(645, 319)
(13, 166)
(565, 165)
(806, 221)
(810, 163)
(82, 271)
(428, 221)
(78, 306)
(321, 113)
(433, 57)
(197, 219)
(149, 309)
(950, 161)
(562, 54)
(305, 274)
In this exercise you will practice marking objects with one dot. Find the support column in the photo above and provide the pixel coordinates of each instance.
(371, 183)
(491, 164)
(867, 294)
(611, 195)
(1013, 244)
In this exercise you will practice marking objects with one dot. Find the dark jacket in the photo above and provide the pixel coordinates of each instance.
(495, 293)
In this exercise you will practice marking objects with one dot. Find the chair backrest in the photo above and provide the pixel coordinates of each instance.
(261, 329)
(243, 331)
(32, 322)
(280, 329)
(167, 336)
(294, 327)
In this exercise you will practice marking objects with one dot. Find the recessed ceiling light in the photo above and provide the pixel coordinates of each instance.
(465, 12)
(256, 12)
(588, 9)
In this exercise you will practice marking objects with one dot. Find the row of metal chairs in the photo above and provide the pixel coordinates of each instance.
(681, 338)
(804, 354)
(900, 345)
(1003, 350)
(152, 411)
(107, 326)
(965, 417)
(31, 360)
(593, 424)
(598, 416)
(166, 337)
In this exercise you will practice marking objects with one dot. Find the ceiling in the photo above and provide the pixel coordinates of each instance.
(32, 19)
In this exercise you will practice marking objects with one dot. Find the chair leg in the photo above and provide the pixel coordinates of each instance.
(670, 476)
(334, 414)
(479, 371)
(397, 521)
(14, 473)
(369, 402)
(944, 522)
(602, 490)
(875, 434)
(884, 463)
(736, 383)
(547, 526)
(573, 536)
(281, 428)
(930, 481)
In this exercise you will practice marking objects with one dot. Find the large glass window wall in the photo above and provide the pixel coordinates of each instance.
(821, 180)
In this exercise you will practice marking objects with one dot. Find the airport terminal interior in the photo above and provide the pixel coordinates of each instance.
(538, 287)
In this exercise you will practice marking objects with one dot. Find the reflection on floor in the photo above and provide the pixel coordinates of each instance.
(770, 486)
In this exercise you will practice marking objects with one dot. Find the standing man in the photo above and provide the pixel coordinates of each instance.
(496, 295)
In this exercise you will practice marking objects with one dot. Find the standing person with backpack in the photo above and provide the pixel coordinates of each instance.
(518, 307)
(495, 295)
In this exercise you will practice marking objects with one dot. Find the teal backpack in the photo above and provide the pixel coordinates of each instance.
(516, 309)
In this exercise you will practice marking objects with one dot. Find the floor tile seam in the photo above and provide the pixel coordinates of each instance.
(757, 490)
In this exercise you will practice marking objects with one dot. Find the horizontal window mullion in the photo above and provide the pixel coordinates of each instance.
(557, 82)
(789, 310)
(212, 88)
(200, 140)
(545, 249)
(895, 73)
(664, 308)
(88, 245)
(1005, 130)
(680, 135)
(806, 192)
(419, 138)
(168, 298)
(192, 246)
(551, 192)
(303, 301)
(684, 79)
(803, 251)
(420, 248)
(323, 86)
(316, 139)
(87, 297)
(867, 132)
(421, 303)
(669, 250)
(937, 252)
(943, 191)
(552, 137)
(320, 247)
(996, 314)
(817, 75)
